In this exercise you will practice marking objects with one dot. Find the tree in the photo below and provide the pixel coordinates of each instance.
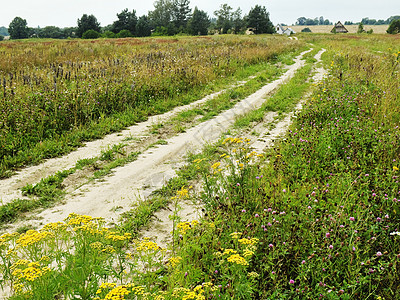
(51, 32)
(4, 31)
(162, 13)
(181, 14)
(224, 18)
(126, 21)
(1, 38)
(143, 27)
(394, 27)
(301, 21)
(306, 29)
(258, 19)
(199, 23)
(18, 29)
(360, 28)
(237, 20)
(86, 23)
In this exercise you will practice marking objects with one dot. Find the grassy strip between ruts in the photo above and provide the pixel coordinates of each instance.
(50, 190)
(60, 144)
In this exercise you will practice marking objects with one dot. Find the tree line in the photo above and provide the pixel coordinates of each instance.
(169, 17)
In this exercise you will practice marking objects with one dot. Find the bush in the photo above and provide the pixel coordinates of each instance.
(124, 34)
(1, 38)
(91, 34)
(108, 34)
(394, 27)
(306, 30)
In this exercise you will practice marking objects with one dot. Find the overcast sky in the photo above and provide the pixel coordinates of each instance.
(63, 13)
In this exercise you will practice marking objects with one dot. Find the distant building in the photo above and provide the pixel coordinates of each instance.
(280, 30)
(339, 28)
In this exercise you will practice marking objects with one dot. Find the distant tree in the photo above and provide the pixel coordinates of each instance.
(391, 19)
(51, 32)
(237, 21)
(327, 22)
(143, 27)
(4, 31)
(306, 29)
(348, 23)
(301, 21)
(394, 27)
(18, 29)
(87, 23)
(360, 28)
(258, 19)
(321, 21)
(224, 18)
(181, 14)
(1, 38)
(162, 13)
(91, 34)
(126, 21)
(70, 32)
(199, 22)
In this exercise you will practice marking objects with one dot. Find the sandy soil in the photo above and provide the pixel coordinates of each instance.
(117, 193)
(160, 229)
(10, 187)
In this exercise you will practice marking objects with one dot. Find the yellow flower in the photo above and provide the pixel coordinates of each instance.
(236, 258)
(235, 235)
(216, 165)
(182, 193)
(229, 251)
(174, 261)
(246, 241)
(395, 168)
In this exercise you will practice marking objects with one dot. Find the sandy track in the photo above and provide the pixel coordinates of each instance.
(116, 193)
(160, 229)
(10, 187)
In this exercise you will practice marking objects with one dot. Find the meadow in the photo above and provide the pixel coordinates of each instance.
(317, 216)
(57, 94)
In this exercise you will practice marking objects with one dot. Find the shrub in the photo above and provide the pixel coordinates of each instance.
(124, 34)
(91, 34)
(108, 34)
(394, 27)
(306, 30)
(1, 37)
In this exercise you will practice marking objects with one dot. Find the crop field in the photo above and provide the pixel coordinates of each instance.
(379, 29)
(57, 94)
(316, 215)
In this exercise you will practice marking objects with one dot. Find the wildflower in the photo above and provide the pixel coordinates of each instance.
(378, 253)
(330, 246)
(395, 233)
(182, 193)
(395, 168)
(351, 219)
(236, 258)
(235, 235)
(328, 235)
(291, 281)
(174, 261)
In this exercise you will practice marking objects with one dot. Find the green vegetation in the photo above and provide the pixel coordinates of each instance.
(394, 27)
(315, 217)
(81, 91)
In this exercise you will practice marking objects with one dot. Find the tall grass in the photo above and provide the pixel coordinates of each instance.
(54, 95)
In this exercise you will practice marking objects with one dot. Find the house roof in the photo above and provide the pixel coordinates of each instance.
(339, 27)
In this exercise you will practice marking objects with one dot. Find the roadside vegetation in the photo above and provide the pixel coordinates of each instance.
(314, 217)
(57, 95)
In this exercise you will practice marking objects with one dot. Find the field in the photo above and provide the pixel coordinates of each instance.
(293, 193)
(380, 29)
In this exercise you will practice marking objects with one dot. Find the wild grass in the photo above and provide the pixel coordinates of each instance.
(316, 217)
(57, 94)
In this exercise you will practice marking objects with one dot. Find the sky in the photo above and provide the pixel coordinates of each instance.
(63, 13)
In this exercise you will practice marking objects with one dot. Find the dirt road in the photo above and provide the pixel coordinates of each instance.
(116, 193)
